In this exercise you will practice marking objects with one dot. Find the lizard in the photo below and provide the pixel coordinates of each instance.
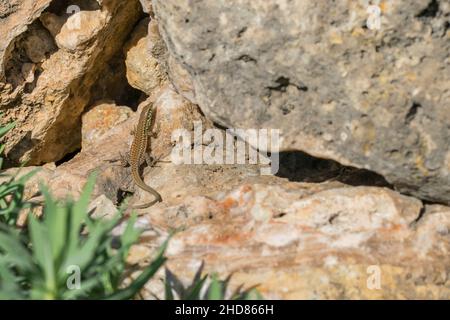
(138, 152)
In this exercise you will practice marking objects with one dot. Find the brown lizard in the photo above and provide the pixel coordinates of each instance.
(138, 152)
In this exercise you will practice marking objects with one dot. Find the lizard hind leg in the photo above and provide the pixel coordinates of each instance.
(124, 159)
(149, 160)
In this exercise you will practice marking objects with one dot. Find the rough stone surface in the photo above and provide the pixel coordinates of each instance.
(296, 240)
(102, 208)
(80, 28)
(101, 118)
(311, 241)
(375, 99)
(104, 144)
(144, 72)
(147, 6)
(46, 83)
(317, 230)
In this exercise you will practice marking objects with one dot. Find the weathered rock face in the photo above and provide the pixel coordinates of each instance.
(106, 136)
(336, 89)
(99, 120)
(297, 240)
(144, 72)
(310, 241)
(375, 99)
(49, 63)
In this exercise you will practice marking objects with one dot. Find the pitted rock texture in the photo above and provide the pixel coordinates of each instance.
(50, 65)
(144, 71)
(374, 99)
(296, 240)
(300, 240)
(317, 230)
(100, 119)
(107, 137)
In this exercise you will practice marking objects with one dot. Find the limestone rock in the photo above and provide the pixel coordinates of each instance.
(15, 16)
(80, 28)
(101, 118)
(106, 136)
(181, 79)
(324, 240)
(144, 71)
(335, 85)
(48, 104)
(38, 45)
(52, 22)
(336, 89)
(311, 241)
(102, 208)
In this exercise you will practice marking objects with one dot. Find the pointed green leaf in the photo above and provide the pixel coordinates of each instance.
(6, 128)
(42, 252)
(215, 289)
(143, 278)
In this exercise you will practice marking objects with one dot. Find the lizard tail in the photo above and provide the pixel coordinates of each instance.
(140, 182)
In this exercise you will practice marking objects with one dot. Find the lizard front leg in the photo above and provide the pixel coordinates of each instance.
(149, 160)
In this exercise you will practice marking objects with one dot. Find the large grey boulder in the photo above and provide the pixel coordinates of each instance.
(375, 99)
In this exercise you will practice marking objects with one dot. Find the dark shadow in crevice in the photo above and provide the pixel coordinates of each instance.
(298, 166)
(122, 196)
(419, 216)
(66, 7)
(67, 157)
(412, 112)
(59, 11)
(112, 85)
(25, 55)
(283, 83)
(430, 11)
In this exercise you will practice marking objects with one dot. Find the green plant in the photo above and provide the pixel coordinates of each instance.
(206, 288)
(11, 189)
(69, 255)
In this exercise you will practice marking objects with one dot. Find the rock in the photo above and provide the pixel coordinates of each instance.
(52, 22)
(317, 230)
(144, 71)
(102, 208)
(173, 113)
(138, 253)
(147, 7)
(80, 28)
(106, 136)
(181, 79)
(48, 110)
(373, 99)
(16, 16)
(101, 118)
(148, 63)
(42, 174)
(322, 240)
(38, 45)
(7, 8)
(308, 241)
